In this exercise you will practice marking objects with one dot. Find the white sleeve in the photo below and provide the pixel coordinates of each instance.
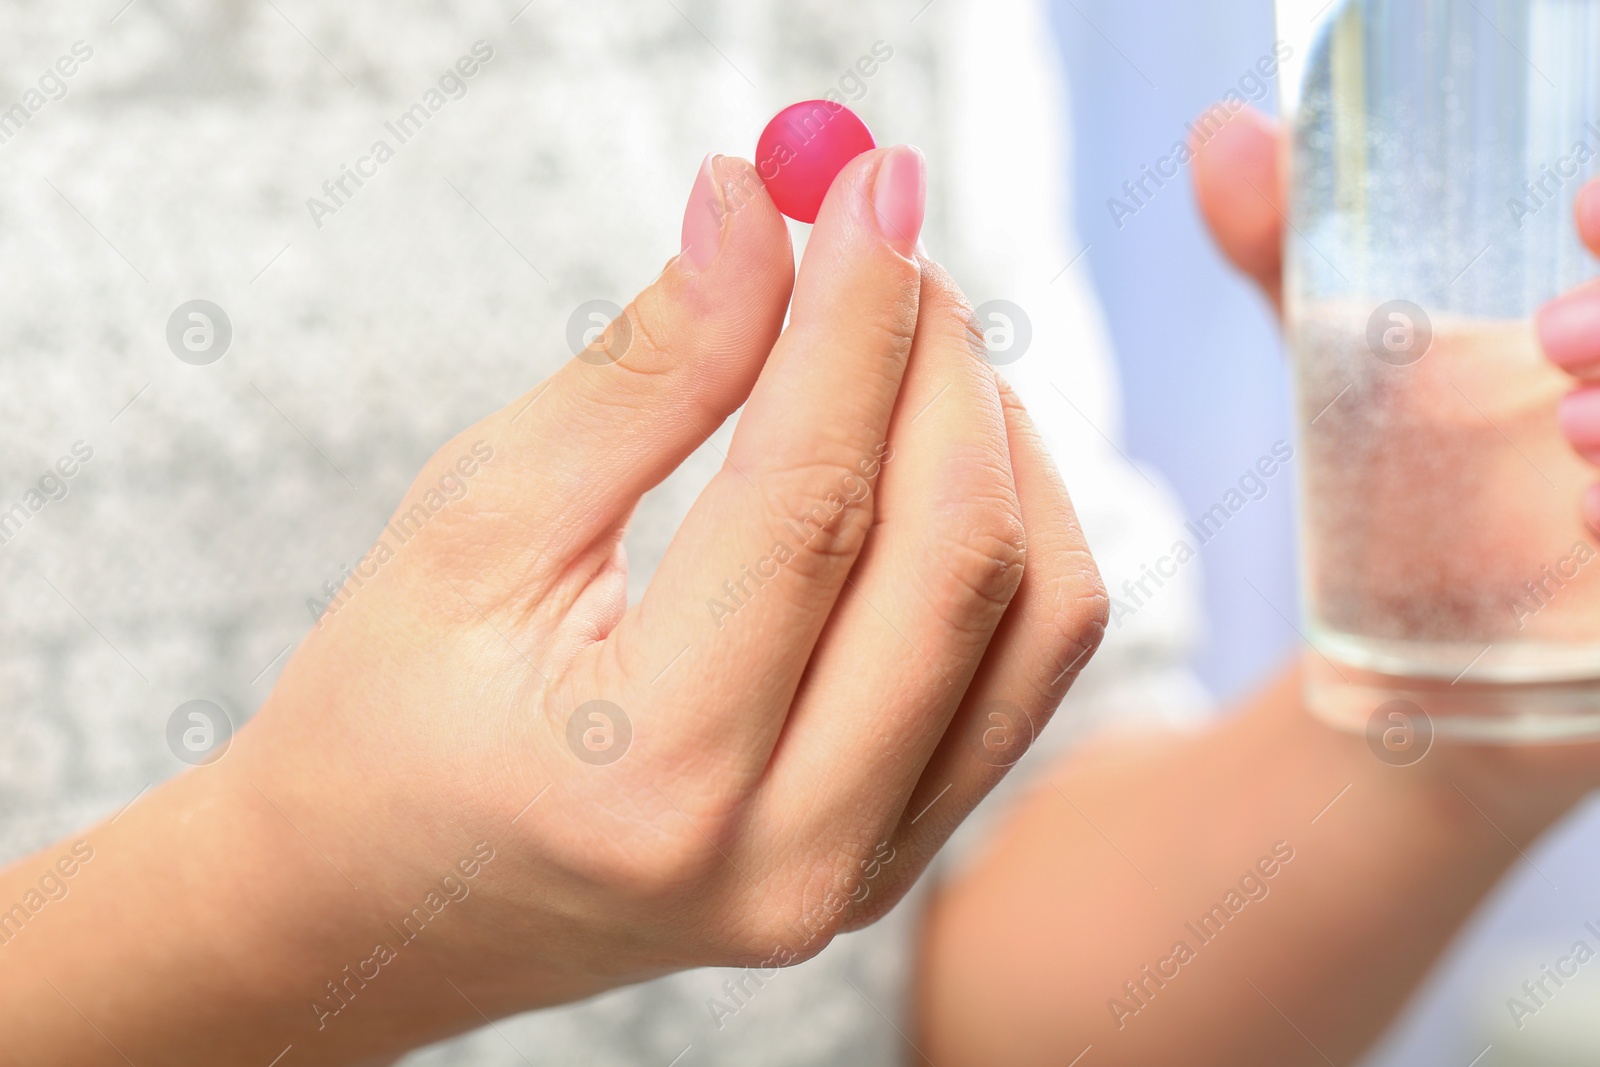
(1008, 185)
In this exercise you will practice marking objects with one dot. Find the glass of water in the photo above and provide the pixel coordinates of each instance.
(1435, 150)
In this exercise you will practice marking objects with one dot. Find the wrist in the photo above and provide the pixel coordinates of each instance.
(1482, 793)
(202, 929)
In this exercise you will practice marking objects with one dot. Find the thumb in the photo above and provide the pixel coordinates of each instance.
(1239, 188)
(572, 458)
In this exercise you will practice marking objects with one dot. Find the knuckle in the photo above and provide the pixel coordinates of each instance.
(885, 328)
(641, 847)
(946, 310)
(635, 339)
(822, 510)
(775, 938)
(891, 329)
(1082, 592)
(875, 906)
(656, 866)
(639, 359)
(445, 530)
(1079, 611)
(981, 554)
(789, 934)
(820, 899)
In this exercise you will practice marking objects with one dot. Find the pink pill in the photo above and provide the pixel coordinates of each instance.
(803, 149)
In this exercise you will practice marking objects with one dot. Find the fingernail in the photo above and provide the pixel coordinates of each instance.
(1580, 421)
(702, 220)
(1591, 508)
(1587, 210)
(900, 197)
(1569, 330)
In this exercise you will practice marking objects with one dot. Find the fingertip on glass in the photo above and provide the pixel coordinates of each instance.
(1569, 330)
(1591, 509)
(1586, 209)
(1579, 416)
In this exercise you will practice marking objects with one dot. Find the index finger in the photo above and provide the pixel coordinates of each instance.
(754, 572)
(1569, 326)
(1240, 194)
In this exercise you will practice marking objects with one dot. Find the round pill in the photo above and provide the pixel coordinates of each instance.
(803, 149)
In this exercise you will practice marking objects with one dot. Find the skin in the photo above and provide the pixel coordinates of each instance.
(417, 750)
(774, 770)
(1023, 954)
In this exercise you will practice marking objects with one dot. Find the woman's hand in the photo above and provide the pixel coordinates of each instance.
(484, 783)
(1241, 196)
(1569, 330)
(1056, 942)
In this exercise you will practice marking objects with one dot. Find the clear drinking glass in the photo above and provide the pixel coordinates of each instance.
(1436, 149)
